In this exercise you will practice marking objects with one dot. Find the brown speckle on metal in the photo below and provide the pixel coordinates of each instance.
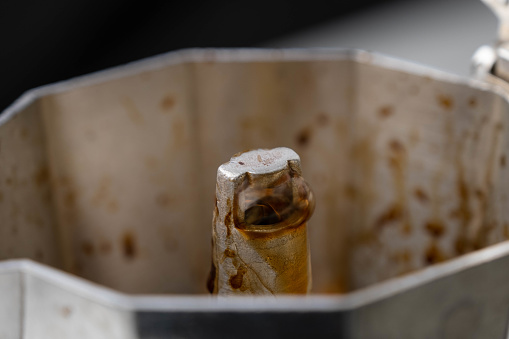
(41, 176)
(435, 228)
(70, 199)
(445, 101)
(241, 163)
(421, 195)
(472, 102)
(433, 254)
(163, 199)
(396, 146)
(88, 248)
(392, 214)
(229, 253)
(322, 119)
(167, 103)
(66, 311)
(385, 111)
(303, 137)
(128, 244)
(132, 112)
(237, 279)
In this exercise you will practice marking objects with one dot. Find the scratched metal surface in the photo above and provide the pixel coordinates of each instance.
(111, 176)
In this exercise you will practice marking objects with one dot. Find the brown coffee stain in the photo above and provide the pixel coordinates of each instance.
(435, 228)
(322, 119)
(66, 311)
(163, 199)
(398, 160)
(87, 248)
(433, 254)
(446, 102)
(421, 195)
(167, 103)
(350, 191)
(392, 214)
(102, 196)
(41, 176)
(303, 137)
(228, 222)
(229, 253)
(472, 102)
(70, 198)
(128, 245)
(385, 111)
(237, 280)
(132, 112)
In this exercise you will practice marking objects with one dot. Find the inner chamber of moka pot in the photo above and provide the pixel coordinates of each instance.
(112, 176)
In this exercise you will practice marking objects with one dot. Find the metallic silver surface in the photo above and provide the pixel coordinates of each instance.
(106, 177)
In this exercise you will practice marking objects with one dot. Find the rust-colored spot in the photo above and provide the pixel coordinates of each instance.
(105, 247)
(351, 191)
(461, 245)
(70, 199)
(303, 137)
(472, 102)
(163, 199)
(503, 161)
(479, 194)
(88, 248)
(228, 222)
(229, 202)
(435, 228)
(433, 255)
(241, 163)
(129, 245)
(445, 101)
(229, 253)
(237, 279)
(396, 146)
(394, 213)
(385, 111)
(322, 119)
(132, 112)
(66, 311)
(167, 103)
(421, 195)
(41, 176)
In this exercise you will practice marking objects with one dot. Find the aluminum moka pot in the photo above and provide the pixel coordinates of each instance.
(107, 188)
